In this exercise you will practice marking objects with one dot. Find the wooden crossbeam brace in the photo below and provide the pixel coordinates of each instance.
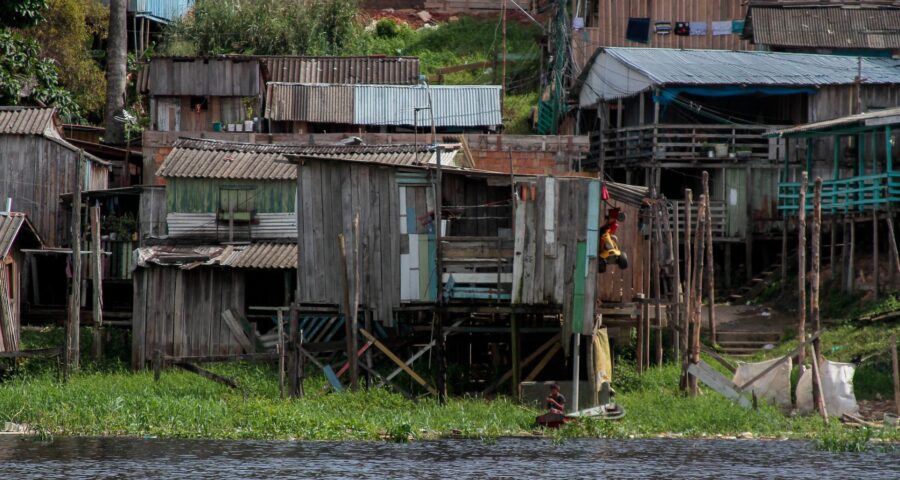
(412, 373)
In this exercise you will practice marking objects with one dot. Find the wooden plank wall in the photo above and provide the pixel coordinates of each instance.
(620, 286)
(34, 172)
(607, 25)
(551, 224)
(180, 311)
(152, 212)
(331, 195)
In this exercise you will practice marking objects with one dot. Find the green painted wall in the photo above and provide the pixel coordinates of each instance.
(199, 195)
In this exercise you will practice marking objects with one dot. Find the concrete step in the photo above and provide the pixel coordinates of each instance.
(739, 335)
(741, 350)
(743, 344)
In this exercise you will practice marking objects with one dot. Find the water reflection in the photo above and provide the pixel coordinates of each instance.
(507, 458)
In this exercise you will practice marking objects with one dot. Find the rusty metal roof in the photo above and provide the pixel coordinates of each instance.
(200, 158)
(10, 226)
(28, 121)
(825, 26)
(342, 70)
(256, 255)
(887, 116)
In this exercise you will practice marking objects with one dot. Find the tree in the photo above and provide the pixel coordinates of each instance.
(67, 35)
(26, 78)
(21, 13)
(116, 61)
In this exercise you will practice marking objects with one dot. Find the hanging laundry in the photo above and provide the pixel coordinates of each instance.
(577, 23)
(682, 28)
(638, 30)
(737, 26)
(662, 28)
(721, 28)
(698, 29)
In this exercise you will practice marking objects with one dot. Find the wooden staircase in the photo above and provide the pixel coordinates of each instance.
(744, 343)
(757, 285)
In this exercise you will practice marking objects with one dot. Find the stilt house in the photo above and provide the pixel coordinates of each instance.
(16, 235)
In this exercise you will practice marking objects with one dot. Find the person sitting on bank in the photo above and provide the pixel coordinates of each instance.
(556, 402)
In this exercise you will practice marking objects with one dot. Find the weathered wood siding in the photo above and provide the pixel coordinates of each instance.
(555, 253)
(205, 76)
(201, 195)
(616, 285)
(176, 114)
(179, 311)
(331, 195)
(152, 213)
(607, 22)
(34, 172)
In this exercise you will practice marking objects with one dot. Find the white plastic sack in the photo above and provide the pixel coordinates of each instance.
(837, 388)
(774, 387)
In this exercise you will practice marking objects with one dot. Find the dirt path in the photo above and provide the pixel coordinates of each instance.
(751, 318)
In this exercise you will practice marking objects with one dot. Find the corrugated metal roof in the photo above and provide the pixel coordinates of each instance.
(28, 121)
(877, 117)
(342, 70)
(256, 255)
(195, 158)
(9, 228)
(309, 103)
(159, 10)
(717, 67)
(11, 225)
(454, 105)
(829, 26)
(212, 159)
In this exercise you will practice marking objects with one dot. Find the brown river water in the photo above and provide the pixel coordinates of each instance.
(130, 458)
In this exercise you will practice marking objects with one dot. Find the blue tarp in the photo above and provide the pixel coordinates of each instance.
(668, 94)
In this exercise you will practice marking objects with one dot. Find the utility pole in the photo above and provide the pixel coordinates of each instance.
(503, 89)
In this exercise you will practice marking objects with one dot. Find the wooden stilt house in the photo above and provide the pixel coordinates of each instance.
(16, 234)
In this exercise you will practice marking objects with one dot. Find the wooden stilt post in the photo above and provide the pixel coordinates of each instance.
(814, 284)
(354, 307)
(845, 241)
(639, 346)
(851, 263)
(801, 267)
(710, 268)
(651, 250)
(686, 295)
(657, 236)
(294, 357)
(818, 399)
(591, 370)
(73, 330)
(896, 371)
(516, 355)
(784, 254)
(96, 274)
(676, 303)
(279, 317)
(876, 265)
(893, 240)
(697, 293)
(576, 373)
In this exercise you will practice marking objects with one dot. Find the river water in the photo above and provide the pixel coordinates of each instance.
(26, 458)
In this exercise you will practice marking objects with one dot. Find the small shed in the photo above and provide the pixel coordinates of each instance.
(181, 293)
(16, 233)
(39, 166)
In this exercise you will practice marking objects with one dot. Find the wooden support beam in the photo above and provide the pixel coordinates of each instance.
(801, 259)
(710, 267)
(544, 361)
(190, 367)
(896, 373)
(781, 360)
(818, 398)
(516, 356)
(237, 331)
(73, 327)
(688, 310)
(415, 376)
(96, 276)
(533, 355)
(279, 317)
(718, 358)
